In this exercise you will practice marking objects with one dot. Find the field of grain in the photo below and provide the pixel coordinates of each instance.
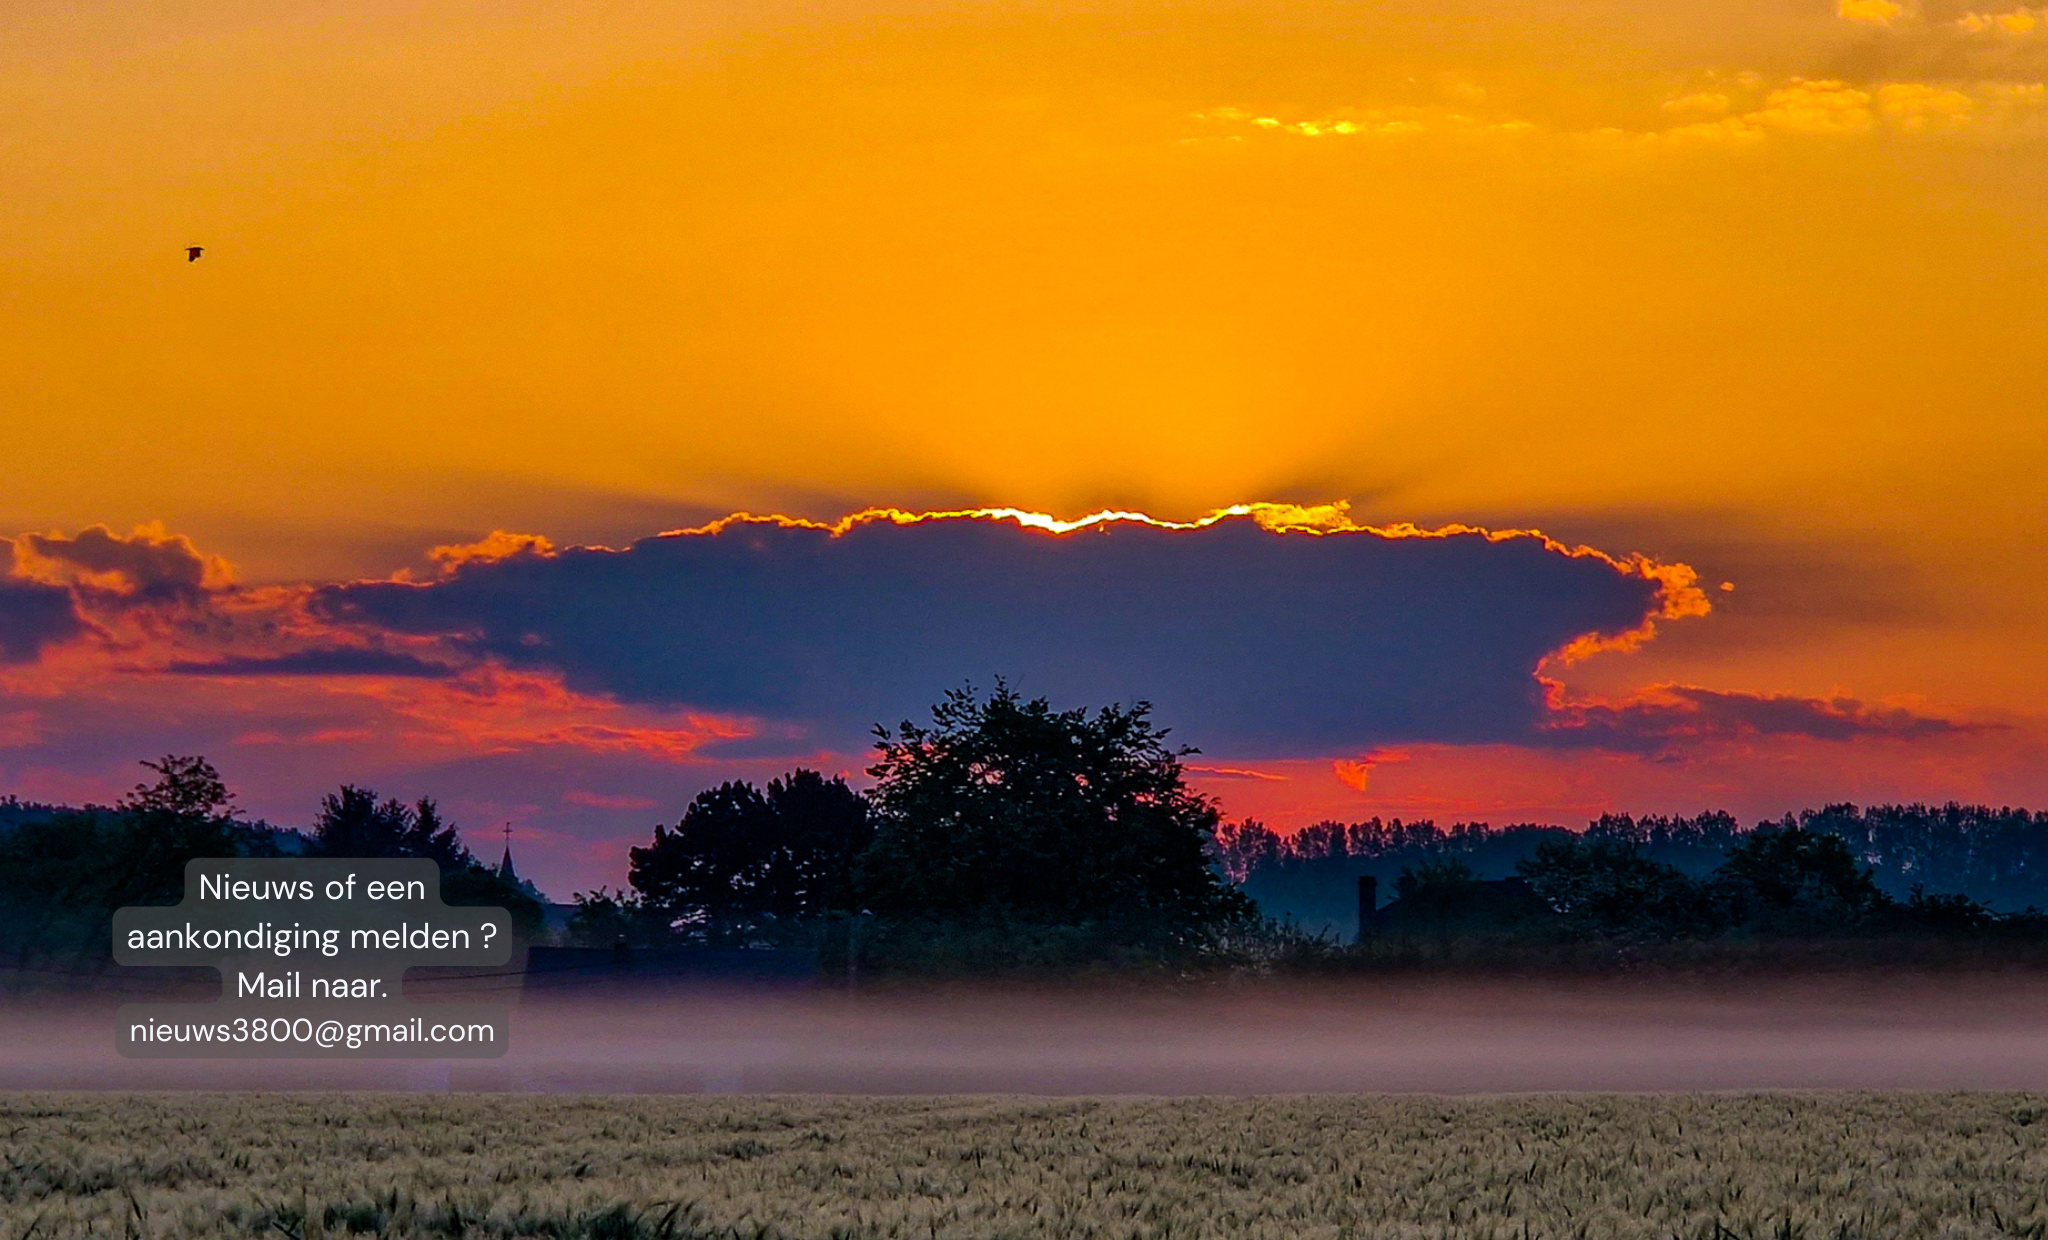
(1781, 1166)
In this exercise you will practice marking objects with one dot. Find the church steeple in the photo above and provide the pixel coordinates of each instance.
(505, 870)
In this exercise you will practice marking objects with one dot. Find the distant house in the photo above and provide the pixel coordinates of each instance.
(644, 971)
(1473, 903)
(555, 919)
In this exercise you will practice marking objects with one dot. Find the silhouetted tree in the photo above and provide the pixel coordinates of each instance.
(1605, 888)
(607, 918)
(1693, 846)
(1787, 877)
(183, 814)
(185, 786)
(62, 876)
(743, 866)
(1010, 808)
(353, 823)
(1943, 914)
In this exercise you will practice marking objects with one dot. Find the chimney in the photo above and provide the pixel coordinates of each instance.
(1368, 902)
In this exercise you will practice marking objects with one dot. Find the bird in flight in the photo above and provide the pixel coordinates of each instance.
(192, 253)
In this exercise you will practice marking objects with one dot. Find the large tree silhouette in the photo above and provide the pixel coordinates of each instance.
(744, 866)
(62, 877)
(186, 786)
(1787, 877)
(1009, 808)
(354, 823)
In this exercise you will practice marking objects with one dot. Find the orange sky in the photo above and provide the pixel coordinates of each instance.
(1750, 286)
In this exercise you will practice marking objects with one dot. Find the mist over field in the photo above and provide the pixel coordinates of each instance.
(1442, 1035)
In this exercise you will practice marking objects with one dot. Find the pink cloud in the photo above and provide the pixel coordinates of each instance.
(600, 800)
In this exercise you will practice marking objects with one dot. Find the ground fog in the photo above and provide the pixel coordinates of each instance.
(1426, 1034)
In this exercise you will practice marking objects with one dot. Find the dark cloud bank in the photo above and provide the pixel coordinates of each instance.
(1249, 641)
(33, 614)
(1246, 640)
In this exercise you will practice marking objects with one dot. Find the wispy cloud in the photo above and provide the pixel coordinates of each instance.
(1875, 12)
(1233, 772)
(2018, 23)
(603, 800)
(1671, 720)
(334, 661)
(1726, 109)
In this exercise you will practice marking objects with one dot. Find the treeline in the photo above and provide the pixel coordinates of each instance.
(1777, 883)
(1993, 857)
(1005, 835)
(64, 871)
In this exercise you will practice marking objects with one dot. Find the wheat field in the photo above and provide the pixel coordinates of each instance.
(1778, 1166)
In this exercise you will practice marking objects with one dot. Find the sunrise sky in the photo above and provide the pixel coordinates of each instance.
(1738, 303)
